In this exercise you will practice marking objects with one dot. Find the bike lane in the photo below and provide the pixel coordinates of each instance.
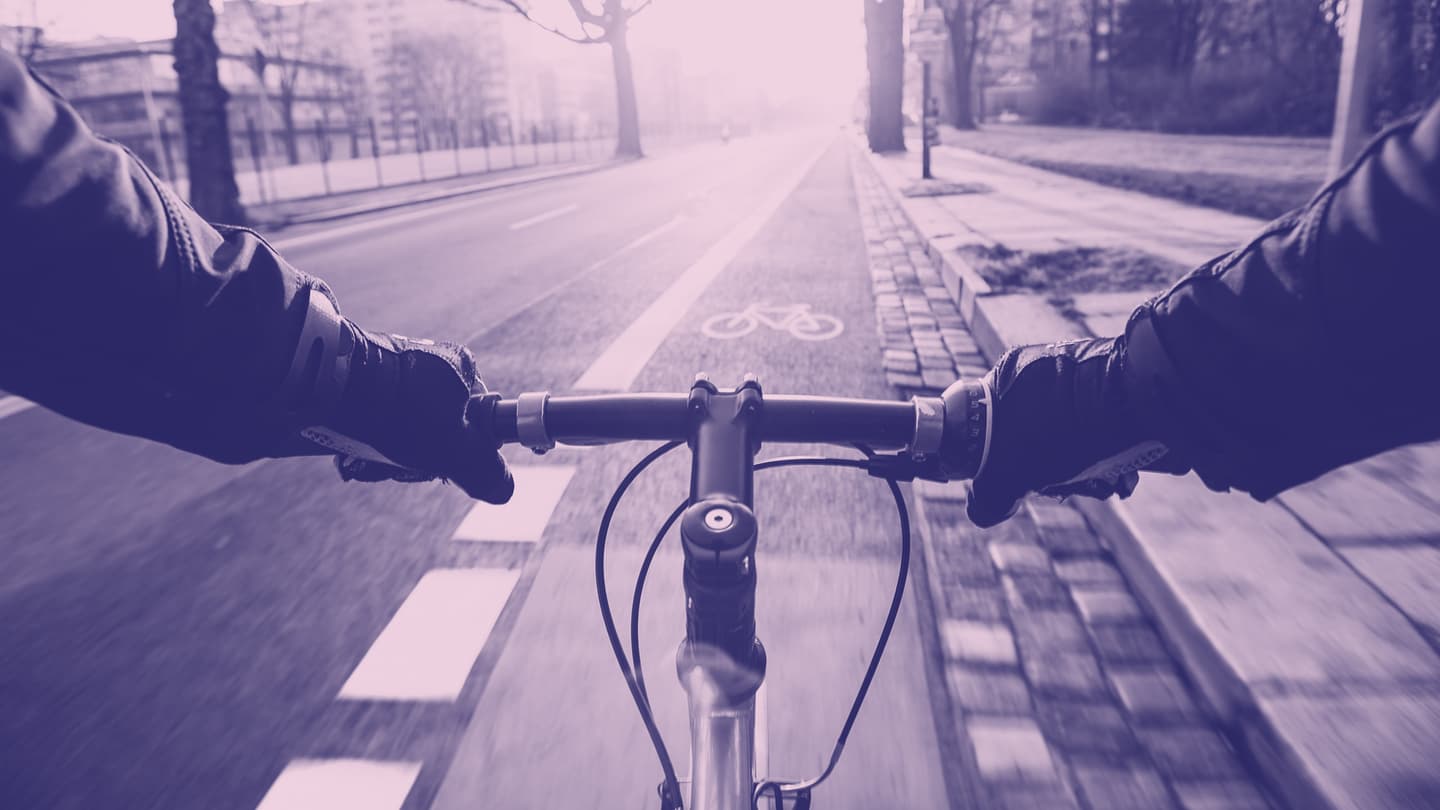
(555, 726)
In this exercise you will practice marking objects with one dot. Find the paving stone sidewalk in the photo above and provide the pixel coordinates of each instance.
(1059, 684)
(1310, 624)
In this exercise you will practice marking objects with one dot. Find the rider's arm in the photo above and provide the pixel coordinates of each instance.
(1310, 347)
(122, 308)
(1314, 345)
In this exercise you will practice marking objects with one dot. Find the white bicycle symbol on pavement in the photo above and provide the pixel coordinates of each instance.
(797, 319)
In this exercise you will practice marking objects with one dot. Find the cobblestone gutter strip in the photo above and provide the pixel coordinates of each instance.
(1059, 685)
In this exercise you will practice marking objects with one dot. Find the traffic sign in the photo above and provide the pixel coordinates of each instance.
(929, 35)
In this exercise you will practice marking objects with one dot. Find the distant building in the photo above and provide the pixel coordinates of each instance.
(425, 64)
(127, 91)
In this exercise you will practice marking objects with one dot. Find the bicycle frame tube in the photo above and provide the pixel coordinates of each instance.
(721, 664)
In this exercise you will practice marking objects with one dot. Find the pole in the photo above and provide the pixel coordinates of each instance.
(535, 141)
(322, 143)
(514, 152)
(1358, 54)
(255, 156)
(925, 121)
(375, 153)
(455, 144)
(419, 152)
(485, 142)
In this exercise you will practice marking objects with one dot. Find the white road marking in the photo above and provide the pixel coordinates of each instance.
(545, 217)
(428, 648)
(642, 239)
(11, 405)
(639, 241)
(618, 366)
(341, 784)
(523, 519)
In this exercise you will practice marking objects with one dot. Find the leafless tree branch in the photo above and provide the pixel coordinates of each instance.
(632, 12)
(584, 14)
(524, 11)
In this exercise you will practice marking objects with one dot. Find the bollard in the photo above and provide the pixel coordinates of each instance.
(375, 155)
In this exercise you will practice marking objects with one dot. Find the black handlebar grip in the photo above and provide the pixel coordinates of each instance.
(969, 420)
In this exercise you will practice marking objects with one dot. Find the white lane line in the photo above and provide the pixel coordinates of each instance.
(523, 519)
(642, 239)
(428, 648)
(618, 366)
(292, 242)
(11, 405)
(341, 784)
(545, 217)
(639, 241)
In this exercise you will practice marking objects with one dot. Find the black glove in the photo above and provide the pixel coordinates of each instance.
(396, 408)
(1060, 424)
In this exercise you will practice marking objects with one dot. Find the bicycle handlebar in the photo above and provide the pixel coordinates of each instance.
(607, 418)
(920, 428)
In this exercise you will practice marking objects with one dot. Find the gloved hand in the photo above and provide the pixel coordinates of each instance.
(1060, 424)
(397, 408)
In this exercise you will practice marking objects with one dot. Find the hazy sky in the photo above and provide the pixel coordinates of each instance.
(788, 46)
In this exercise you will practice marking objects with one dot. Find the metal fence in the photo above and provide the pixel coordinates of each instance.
(356, 159)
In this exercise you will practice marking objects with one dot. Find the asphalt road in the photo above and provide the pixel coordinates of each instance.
(178, 633)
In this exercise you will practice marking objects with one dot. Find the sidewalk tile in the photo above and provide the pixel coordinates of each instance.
(1030, 592)
(1225, 795)
(1010, 749)
(1135, 788)
(1152, 692)
(1042, 632)
(984, 691)
(1096, 573)
(1191, 753)
(978, 642)
(1065, 674)
(1128, 644)
(1106, 605)
(1050, 796)
(1087, 728)
(1013, 558)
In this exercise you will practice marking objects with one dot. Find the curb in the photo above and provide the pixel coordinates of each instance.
(332, 214)
(999, 321)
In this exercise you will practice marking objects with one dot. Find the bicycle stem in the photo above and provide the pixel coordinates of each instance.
(721, 663)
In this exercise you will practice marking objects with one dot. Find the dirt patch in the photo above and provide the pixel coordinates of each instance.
(1072, 271)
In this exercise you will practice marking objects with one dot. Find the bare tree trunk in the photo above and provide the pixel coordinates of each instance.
(885, 56)
(627, 109)
(287, 120)
(208, 160)
(962, 60)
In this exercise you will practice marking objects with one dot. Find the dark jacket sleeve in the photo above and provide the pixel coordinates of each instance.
(120, 306)
(1316, 344)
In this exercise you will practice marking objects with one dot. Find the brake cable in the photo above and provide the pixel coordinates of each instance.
(633, 671)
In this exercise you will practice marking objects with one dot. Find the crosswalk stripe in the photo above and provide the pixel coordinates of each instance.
(428, 648)
(537, 491)
(341, 784)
